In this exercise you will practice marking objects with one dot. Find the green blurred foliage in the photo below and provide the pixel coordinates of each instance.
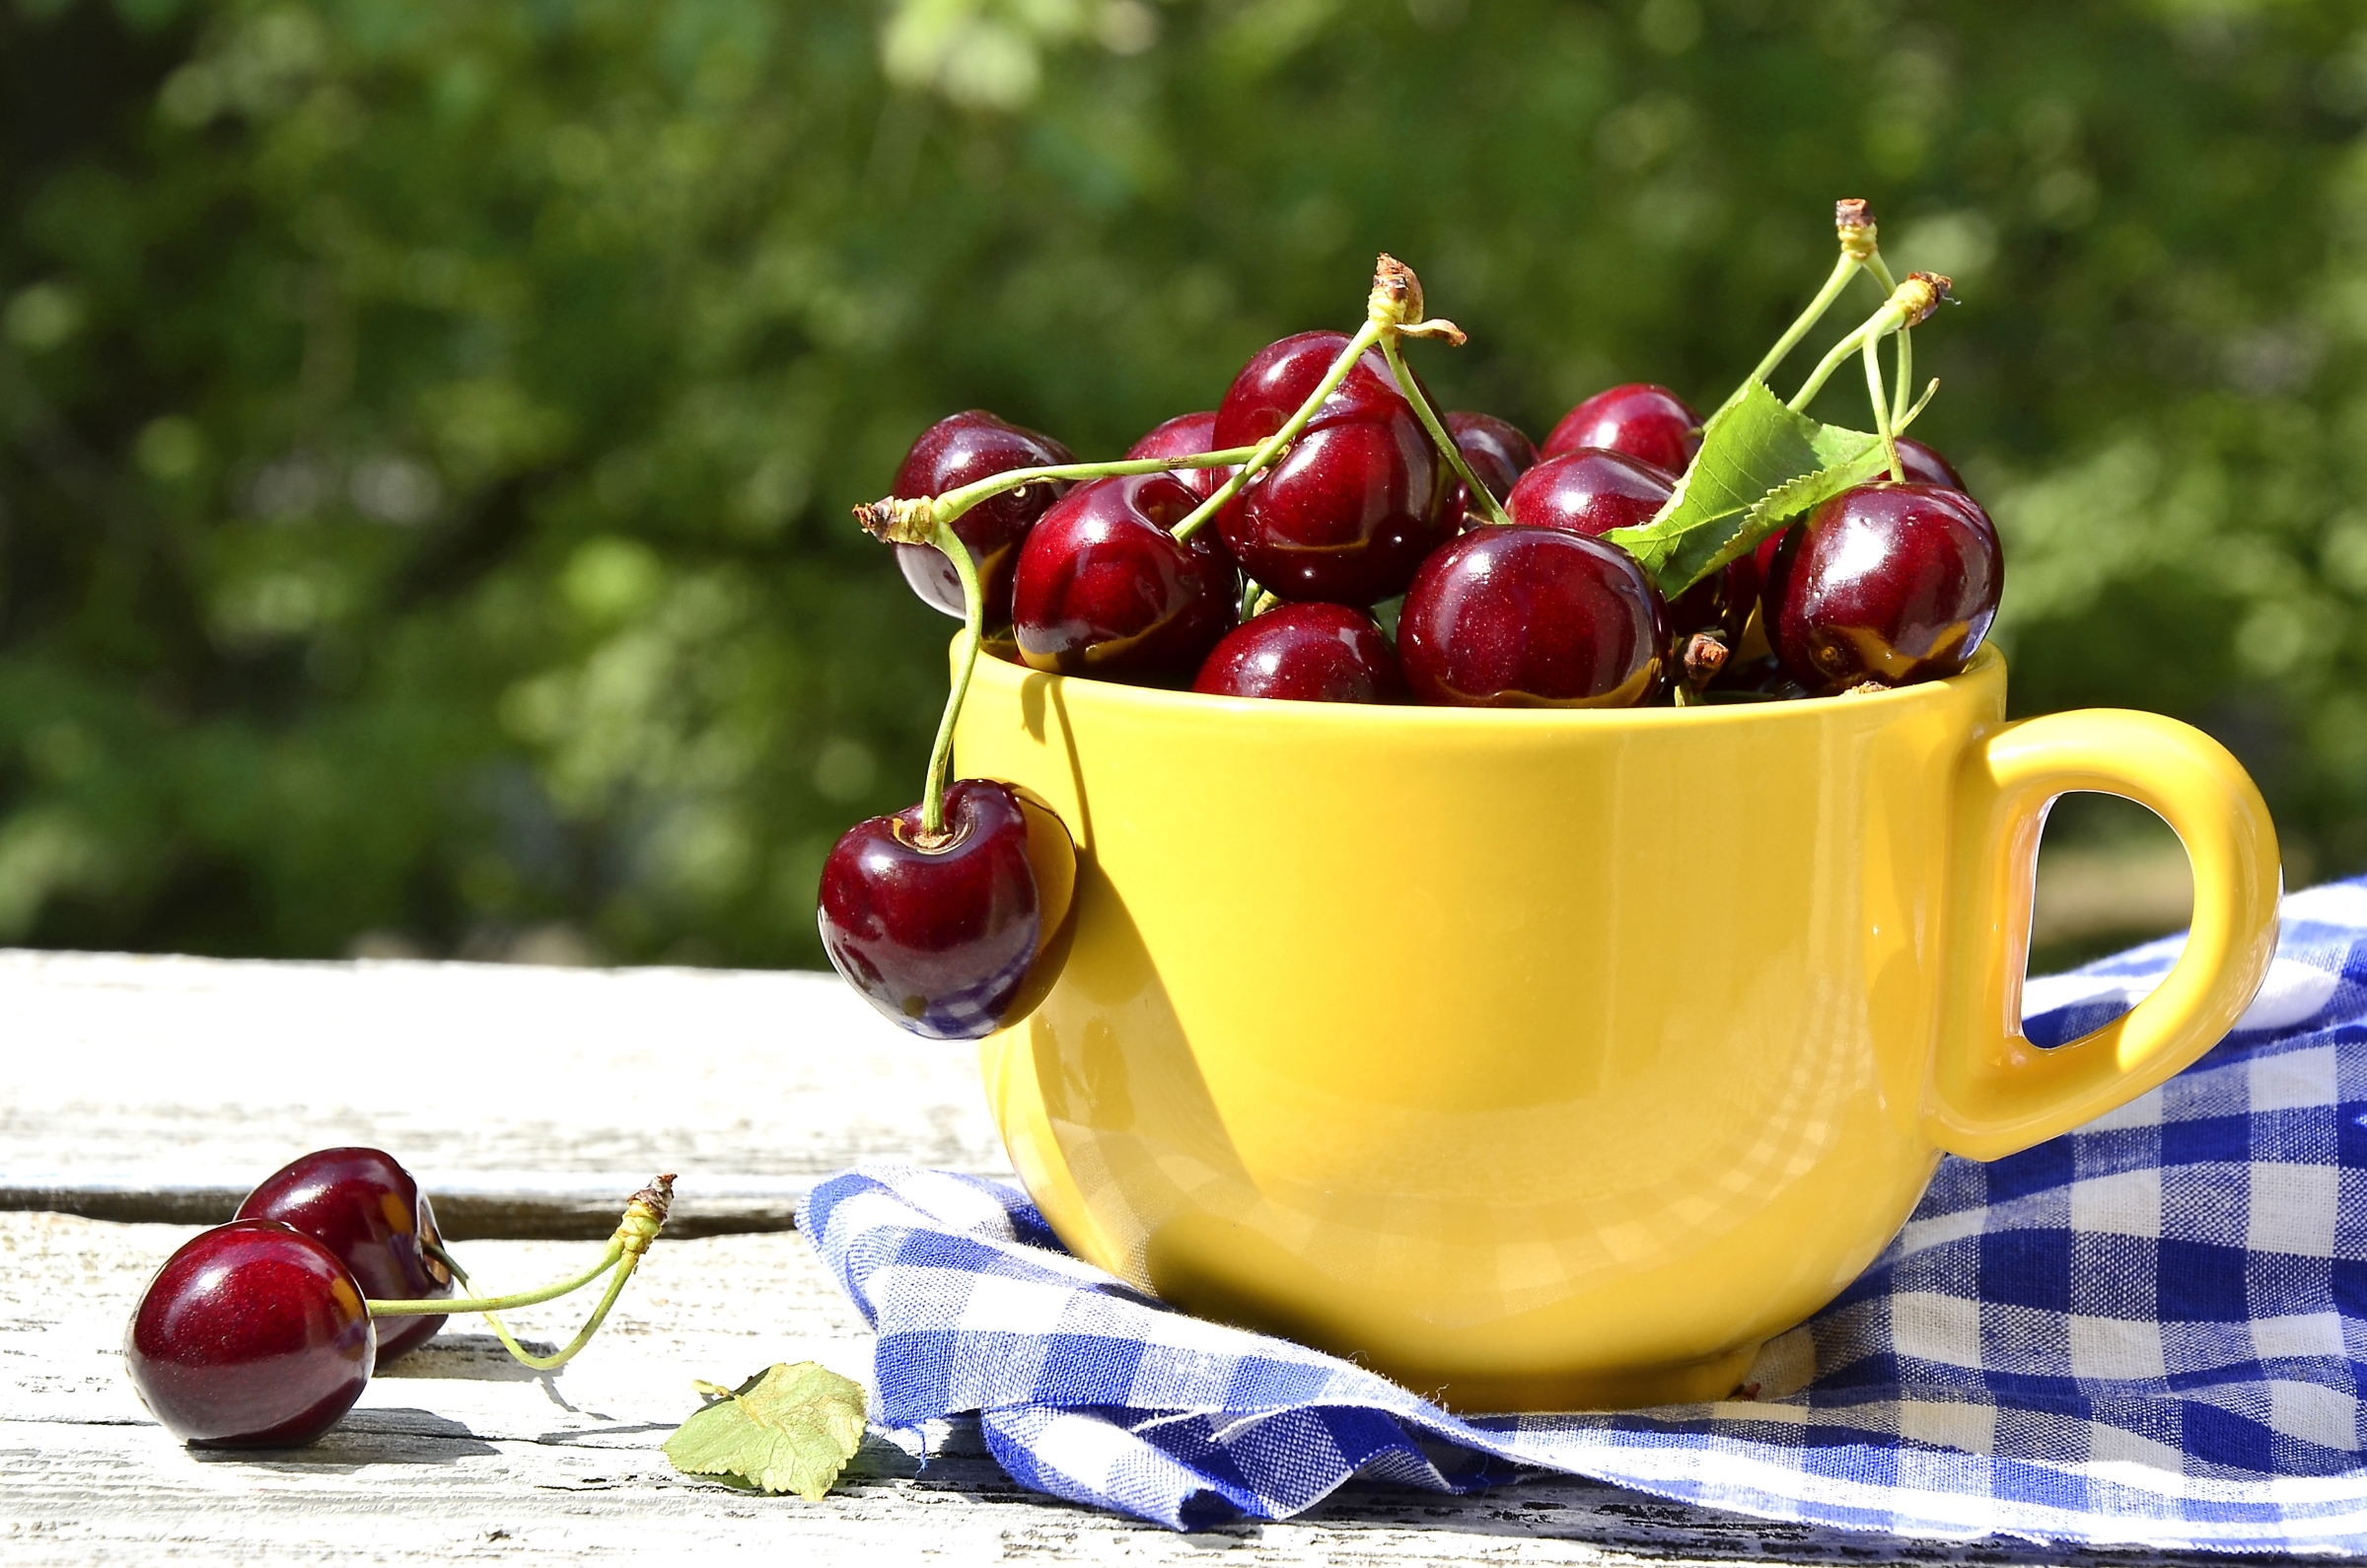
(426, 429)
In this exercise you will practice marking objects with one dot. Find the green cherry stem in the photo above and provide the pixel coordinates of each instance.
(954, 503)
(912, 520)
(644, 1214)
(1904, 387)
(1447, 449)
(1267, 450)
(1880, 397)
(566, 1353)
(1843, 270)
(438, 1307)
(973, 614)
(1908, 304)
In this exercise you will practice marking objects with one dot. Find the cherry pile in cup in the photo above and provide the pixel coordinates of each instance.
(263, 1332)
(1270, 549)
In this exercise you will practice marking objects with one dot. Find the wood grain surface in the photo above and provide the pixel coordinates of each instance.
(531, 1101)
(457, 1454)
(141, 1089)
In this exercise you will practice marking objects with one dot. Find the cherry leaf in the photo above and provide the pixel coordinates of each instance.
(1759, 466)
(787, 1429)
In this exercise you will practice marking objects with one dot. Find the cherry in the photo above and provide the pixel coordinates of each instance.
(1185, 436)
(1498, 451)
(1923, 465)
(958, 450)
(1592, 490)
(365, 1207)
(1641, 419)
(1304, 653)
(1896, 583)
(1103, 588)
(1533, 617)
(252, 1335)
(1348, 513)
(955, 939)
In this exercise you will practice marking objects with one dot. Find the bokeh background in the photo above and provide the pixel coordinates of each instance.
(427, 428)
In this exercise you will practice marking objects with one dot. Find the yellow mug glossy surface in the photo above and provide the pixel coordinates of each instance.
(1549, 1059)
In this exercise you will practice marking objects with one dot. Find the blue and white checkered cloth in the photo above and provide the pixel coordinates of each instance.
(2152, 1331)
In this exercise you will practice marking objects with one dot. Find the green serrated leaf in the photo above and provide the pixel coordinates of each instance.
(787, 1429)
(1760, 464)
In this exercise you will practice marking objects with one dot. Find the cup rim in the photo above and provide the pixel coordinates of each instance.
(1986, 664)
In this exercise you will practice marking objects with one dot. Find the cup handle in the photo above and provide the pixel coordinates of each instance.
(1991, 1092)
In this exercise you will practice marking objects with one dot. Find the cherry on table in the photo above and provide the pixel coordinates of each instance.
(1639, 418)
(961, 448)
(1497, 449)
(252, 1335)
(365, 1208)
(1304, 653)
(1522, 617)
(1104, 589)
(1185, 436)
(1896, 583)
(955, 938)
(1361, 497)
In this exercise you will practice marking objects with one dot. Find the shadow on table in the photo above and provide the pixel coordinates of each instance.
(1562, 1508)
(376, 1436)
(477, 1358)
(1546, 1508)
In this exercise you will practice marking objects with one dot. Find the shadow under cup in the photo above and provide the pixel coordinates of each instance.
(1556, 1059)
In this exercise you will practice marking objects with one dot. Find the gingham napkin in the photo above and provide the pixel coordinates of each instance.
(2151, 1331)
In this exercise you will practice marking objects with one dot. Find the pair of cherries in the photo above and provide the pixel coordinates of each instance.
(258, 1334)
(263, 1332)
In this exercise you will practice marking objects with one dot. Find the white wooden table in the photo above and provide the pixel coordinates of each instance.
(140, 1097)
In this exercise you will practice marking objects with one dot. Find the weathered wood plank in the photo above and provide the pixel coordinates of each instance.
(531, 1101)
(456, 1454)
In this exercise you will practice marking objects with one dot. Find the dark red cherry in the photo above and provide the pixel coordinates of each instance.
(1304, 653)
(1185, 436)
(1498, 453)
(362, 1206)
(958, 450)
(1592, 490)
(1896, 583)
(252, 1335)
(1923, 465)
(1533, 617)
(1103, 588)
(1348, 513)
(957, 938)
(1641, 419)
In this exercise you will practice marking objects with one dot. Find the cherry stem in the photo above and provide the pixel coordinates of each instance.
(1881, 407)
(954, 503)
(1906, 383)
(566, 1353)
(1366, 337)
(1842, 272)
(438, 1307)
(1881, 324)
(1447, 449)
(1250, 593)
(973, 614)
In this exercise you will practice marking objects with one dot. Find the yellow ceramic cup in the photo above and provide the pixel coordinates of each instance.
(1551, 1059)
